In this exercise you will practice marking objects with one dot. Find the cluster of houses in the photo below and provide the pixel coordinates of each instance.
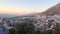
(47, 22)
(40, 23)
(6, 25)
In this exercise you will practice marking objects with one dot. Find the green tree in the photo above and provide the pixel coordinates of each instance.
(25, 28)
(57, 28)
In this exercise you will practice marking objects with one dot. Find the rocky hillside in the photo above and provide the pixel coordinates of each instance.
(55, 10)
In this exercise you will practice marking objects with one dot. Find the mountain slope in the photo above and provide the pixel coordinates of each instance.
(55, 10)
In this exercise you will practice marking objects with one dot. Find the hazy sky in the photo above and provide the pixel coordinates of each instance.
(25, 6)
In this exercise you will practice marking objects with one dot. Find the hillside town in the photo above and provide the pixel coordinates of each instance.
(47, 22)
(41, 24)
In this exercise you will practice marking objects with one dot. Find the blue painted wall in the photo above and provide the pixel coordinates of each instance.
(3, 31)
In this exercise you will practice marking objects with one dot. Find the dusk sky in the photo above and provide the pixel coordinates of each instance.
(25, 6)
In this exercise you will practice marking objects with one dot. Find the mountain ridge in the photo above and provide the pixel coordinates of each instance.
(54, 10)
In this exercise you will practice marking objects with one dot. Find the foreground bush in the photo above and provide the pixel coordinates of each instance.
(25, 28)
